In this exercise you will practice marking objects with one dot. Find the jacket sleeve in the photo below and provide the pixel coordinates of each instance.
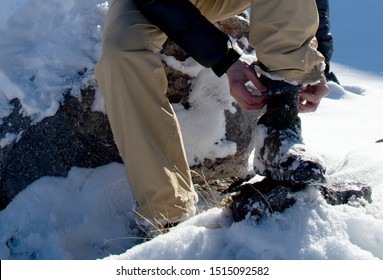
(323, 35)
(183, 23)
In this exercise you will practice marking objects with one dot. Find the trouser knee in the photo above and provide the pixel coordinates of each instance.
(125, 37)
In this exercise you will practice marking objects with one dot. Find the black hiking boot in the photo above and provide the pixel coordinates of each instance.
(330, 77)
(280, 153)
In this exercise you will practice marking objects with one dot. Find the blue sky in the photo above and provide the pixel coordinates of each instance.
(357, 28)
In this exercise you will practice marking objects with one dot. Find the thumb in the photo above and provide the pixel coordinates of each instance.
(253, 78)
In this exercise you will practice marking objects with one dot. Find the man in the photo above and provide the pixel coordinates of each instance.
(134, 84)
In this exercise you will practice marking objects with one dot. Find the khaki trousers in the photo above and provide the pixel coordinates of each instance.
(145, 128)
(283, 34)
(146, 131)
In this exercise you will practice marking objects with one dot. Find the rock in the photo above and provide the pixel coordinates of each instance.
(256, 201)
(78, 136)
(74, 136)
(240, 128)
(236, 27)
(342, 192)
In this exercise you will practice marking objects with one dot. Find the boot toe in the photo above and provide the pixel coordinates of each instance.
(309, 172)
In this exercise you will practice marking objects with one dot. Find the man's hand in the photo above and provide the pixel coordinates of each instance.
(238, 75)
(311, 96)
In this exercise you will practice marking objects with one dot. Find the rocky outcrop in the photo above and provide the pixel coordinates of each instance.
(74, 136)
(79, 136)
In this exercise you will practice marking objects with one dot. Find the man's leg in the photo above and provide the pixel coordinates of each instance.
(133, 83)
(283, 36)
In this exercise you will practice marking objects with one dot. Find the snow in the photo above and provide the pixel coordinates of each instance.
(209, 98)
(45, 48)
(31, 68)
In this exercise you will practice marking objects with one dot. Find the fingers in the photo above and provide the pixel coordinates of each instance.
(311, 96)
(253, 78)
(239, 75)
(307, 107)
(246, 100)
